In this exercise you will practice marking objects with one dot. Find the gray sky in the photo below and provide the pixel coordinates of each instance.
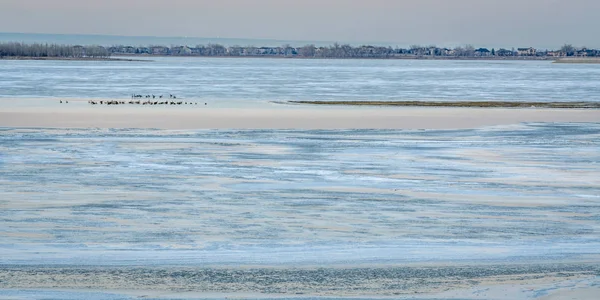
(491, 23)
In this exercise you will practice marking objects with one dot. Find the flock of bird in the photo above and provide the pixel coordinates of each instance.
(150, 101)
(139, 102)
(133, 96)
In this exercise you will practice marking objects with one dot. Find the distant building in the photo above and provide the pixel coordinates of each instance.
(582, 52)
(448, 52)
(287, 51)
(270, 51)
(122, 49)
(196, 50)
(432, 51)
(181, 50)
(553, 53)
(482, 52)
(526, 51)
(142, 50)
(504, 52)
(159, 50)
(343, 51)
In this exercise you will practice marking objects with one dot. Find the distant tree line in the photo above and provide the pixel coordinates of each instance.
(308, 51)
(347, 51)
(52, 50)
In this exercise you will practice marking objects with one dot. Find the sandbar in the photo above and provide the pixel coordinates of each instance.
(79, 114)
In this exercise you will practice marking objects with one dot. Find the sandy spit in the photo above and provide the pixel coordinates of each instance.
(82, 115)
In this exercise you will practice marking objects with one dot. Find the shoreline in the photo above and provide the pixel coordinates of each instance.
(299, 282)
(463, 104)
(148, 58)
(456, 58)
(69, 59)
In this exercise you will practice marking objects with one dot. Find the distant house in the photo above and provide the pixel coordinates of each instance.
(234, 51)
(196, 50)
(159, 50)
(526, 51)
(270, 50)
(264, 50)
(592, 52)
(482, 52)
(122, 49)
(553, 53)
(448, 52)
(584, 52)
(288, 51)
(251, 51)
(181, 50)
(504, 52)
(402, 51)
(142, 50)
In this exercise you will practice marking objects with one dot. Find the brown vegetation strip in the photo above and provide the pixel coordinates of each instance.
(594, 60)
(482, 104)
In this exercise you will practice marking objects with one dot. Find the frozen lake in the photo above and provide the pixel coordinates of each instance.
(296, 198)
(252, 79)
(296, 212)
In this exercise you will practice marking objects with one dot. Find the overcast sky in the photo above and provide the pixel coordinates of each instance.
(492, 23)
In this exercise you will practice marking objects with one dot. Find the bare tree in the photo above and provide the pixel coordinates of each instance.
(52, 50)
(307, 50)
(469, 50)
(567, 50)
(417, 50)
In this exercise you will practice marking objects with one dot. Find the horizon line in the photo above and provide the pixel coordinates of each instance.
(365, 43)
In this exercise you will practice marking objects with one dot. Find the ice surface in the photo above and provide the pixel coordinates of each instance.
(294, 197)
(276, 79)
